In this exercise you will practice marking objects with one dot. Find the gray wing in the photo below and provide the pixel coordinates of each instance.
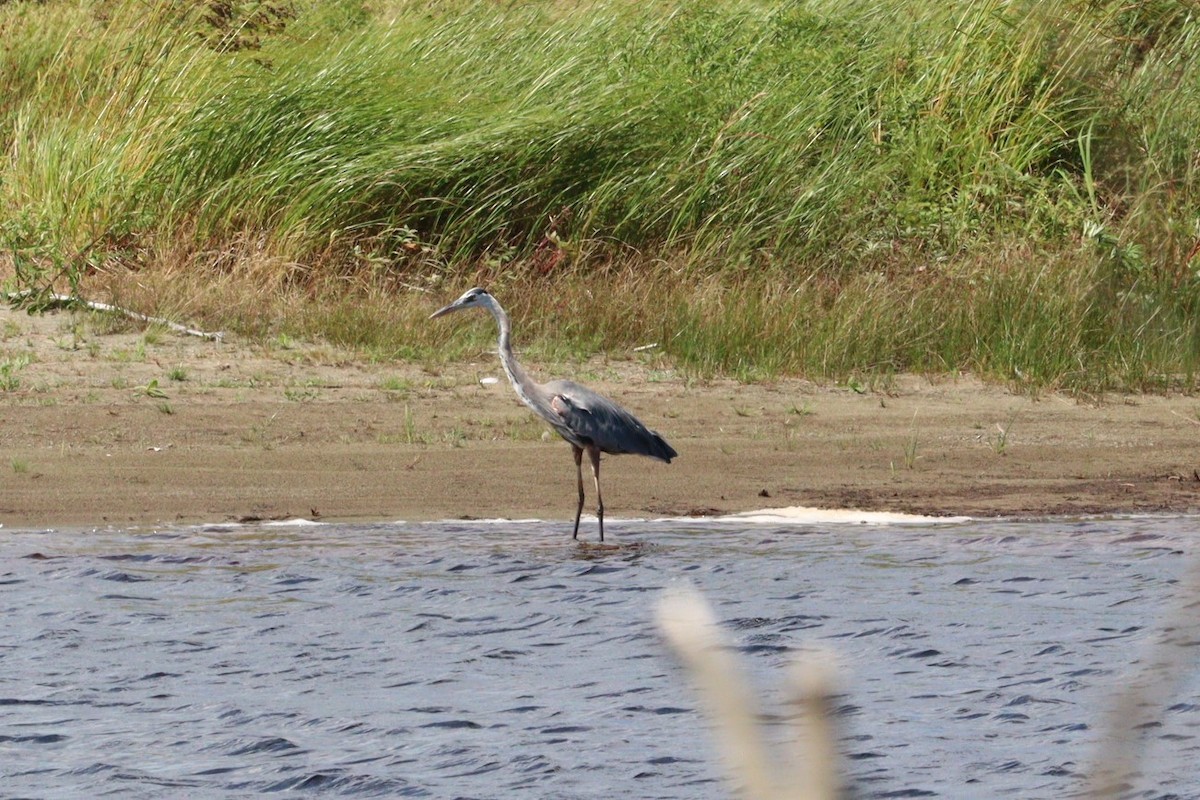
(594, 419)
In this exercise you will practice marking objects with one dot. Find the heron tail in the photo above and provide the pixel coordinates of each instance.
(659, 448)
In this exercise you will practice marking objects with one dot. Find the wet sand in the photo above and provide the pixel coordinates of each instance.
(257, 432)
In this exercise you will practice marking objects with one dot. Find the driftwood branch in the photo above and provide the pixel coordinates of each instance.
(69, 301)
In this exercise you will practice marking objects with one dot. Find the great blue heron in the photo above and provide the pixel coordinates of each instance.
(590, 422)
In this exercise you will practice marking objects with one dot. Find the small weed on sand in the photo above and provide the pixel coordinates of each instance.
(9, 367)
(1001, 440)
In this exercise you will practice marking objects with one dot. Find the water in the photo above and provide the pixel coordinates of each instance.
(499, 660)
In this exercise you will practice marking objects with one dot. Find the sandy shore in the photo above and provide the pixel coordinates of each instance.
(232, 431)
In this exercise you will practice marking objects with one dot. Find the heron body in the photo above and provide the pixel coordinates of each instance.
(590, 422)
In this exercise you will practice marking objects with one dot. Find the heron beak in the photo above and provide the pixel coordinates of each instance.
(441, 312)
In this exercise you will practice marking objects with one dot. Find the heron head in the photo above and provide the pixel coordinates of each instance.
(470, 299)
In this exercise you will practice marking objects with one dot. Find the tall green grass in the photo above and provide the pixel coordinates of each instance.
(821, 187)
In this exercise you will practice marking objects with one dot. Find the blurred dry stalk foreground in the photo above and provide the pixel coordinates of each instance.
(813, 772)
(832, 189)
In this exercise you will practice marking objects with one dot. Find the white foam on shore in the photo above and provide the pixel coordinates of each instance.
(803, 515)
(296, 522)
(790, 515)
(487, 521)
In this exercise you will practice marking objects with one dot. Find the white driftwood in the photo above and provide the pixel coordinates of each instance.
(68, 300)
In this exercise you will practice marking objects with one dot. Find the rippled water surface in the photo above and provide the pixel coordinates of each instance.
(501, 660)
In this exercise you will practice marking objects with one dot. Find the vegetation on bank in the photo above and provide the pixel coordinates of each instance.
(828, 188)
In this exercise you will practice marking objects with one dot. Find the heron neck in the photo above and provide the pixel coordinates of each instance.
(520, 380)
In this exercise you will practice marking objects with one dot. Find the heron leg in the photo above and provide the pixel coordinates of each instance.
(579, 478)
(594, 455)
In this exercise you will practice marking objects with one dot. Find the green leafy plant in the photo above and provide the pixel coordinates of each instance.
(9, 369)
(151, 389)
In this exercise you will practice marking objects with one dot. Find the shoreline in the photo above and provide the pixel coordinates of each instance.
(791, 516)
(144, 428)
